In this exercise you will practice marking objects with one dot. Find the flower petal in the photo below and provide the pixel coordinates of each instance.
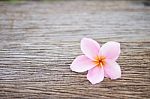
(112, 69)
(110, 50)
(90, 47)
(95, 75)
(81, 64)
(106, 75)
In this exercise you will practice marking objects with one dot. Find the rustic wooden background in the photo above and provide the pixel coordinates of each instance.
(39, 40)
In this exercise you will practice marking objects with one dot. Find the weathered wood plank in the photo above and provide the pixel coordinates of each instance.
(38, 42)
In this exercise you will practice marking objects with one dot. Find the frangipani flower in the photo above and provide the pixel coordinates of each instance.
(99, 61)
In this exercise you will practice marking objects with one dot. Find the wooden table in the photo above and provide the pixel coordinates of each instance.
(39, 41)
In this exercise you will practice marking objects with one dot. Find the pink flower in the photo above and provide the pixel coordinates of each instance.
(99, 61)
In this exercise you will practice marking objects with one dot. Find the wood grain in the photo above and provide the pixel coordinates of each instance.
(39, 40)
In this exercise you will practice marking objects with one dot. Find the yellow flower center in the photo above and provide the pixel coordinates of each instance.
(100, 61)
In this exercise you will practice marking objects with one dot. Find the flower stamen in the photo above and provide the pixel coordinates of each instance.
(100, 61)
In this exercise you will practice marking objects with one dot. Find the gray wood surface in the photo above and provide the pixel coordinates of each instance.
(39, 40)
